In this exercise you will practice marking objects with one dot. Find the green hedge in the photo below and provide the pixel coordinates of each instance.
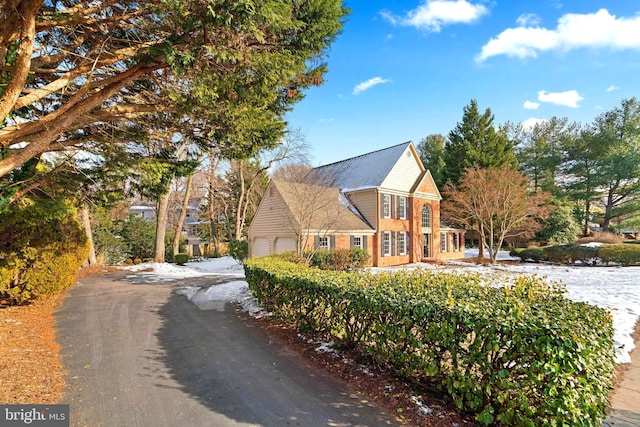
(340, 259)
(519, 354)
(623, 253)
(45, 248)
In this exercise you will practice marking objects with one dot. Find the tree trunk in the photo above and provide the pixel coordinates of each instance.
(86, 224)
(481, 241)
(27, 12)
(183, 215)
(240, 204)
(587, 208)
(162, 209)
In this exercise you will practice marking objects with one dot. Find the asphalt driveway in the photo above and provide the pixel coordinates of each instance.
(138, 354)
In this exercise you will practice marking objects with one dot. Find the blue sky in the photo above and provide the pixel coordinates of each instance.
(404, 69)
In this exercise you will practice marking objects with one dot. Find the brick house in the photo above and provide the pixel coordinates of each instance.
(385, 202)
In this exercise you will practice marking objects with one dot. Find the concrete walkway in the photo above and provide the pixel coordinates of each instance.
(625, 399)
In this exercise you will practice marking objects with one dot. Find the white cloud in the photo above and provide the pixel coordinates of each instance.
(369, 84)
(530, 105)
(574, 31)
(431, 15)
(528, 19)
(531, 122)
(612, 88)
(569, 98)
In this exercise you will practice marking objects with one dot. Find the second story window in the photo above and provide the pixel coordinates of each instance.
(402, 207)
(426, 216)
(386, 205)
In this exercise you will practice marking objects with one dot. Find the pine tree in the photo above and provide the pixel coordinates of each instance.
(475, 142)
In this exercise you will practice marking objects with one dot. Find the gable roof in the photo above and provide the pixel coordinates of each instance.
(320, 208)
(364, 171)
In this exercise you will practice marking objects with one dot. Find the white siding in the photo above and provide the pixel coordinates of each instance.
(404, 174)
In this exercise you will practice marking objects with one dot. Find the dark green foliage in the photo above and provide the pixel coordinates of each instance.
(181, 259)
(558, 254)
(513, 354)
(623, 253)
(239, 250)
(568, 254)
(561, 226)
(43, 249)
(340, 259)
(475, 142)
(529, 254)
(431, 151)
(139, 236)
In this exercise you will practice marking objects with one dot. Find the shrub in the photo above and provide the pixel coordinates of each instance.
(621, 253)
(558, 253)
(239, 250)
(515, 354)
(584, 254)
(529, 254)
(139, 236)
(181, 258)
(45, 252)
(340, 259)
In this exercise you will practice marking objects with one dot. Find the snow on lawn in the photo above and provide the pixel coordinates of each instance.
(616, 289)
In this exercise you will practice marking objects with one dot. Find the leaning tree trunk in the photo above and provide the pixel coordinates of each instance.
(161, 226)
(183, 215)
(86, 224)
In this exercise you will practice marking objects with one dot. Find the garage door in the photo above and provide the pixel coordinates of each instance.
(260, 246)
(284, 244)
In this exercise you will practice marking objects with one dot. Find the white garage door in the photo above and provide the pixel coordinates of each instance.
(260, 246)
(284, 244)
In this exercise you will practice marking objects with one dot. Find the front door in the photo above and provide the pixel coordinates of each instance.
(425, 245)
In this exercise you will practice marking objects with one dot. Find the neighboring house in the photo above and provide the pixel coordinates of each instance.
(195, 246)
(385, 202)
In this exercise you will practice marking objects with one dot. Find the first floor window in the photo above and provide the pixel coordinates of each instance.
(402, 243)
(456, 241)
(443, 242)
(357, 242)
(386, 243)
(323, 242)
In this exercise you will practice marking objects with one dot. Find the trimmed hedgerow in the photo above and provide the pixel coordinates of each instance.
(623, 253)
(529, 254)
(515, 354)
(340, 259)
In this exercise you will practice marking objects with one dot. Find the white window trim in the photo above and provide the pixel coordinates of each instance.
(386, 205)
(386, 243)
(444, 242)
(402, 243)
(357, 245)
(321, 246)
(402, 207)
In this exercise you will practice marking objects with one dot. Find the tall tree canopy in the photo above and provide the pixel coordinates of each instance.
(475, 142)
(73, 66)
(431, 151)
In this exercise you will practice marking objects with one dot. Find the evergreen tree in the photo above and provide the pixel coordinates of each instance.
(431, 151)
(475, 142)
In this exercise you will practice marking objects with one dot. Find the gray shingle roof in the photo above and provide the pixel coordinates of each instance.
(366, 170)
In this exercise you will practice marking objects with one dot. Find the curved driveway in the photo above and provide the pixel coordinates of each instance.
(138, 354)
